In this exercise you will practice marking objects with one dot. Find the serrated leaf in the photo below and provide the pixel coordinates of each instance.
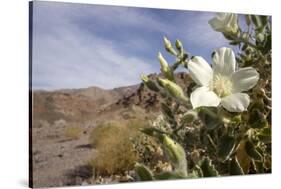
(208, 169)
(252, 152)
(235, 168)
(143, 172)
(226, 146)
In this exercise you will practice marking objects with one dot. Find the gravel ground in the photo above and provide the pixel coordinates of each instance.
(58, 161)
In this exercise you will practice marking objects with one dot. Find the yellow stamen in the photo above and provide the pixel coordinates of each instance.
(221, 85)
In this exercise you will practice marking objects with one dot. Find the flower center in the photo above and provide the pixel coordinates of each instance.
(221, 85)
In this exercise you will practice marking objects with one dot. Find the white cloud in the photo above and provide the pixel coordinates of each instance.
(67, 57)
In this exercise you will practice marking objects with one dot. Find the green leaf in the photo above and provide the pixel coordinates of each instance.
(252, 152)
(170, 176)
(257, 119)
(265, 135)
(258, 165)
(226, 146)
(143, 172)
(234, 42)
(210, 118)
(248, 19)
(189, 117)
(196, 173)
(166, 110)
(208, 169)
(259, 21)
(267, 44)
(235, 168)
(152, 131)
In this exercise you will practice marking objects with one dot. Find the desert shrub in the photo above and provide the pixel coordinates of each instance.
(115, 153)
(205, 132)
(149, 152)
(73, 132)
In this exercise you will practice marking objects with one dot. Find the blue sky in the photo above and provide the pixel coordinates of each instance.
(82, 45)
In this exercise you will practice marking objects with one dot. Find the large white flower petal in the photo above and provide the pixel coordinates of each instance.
(224, 61)
(244, 79)
(233, 22)
(200, 71)
(202, 96)
(216, 24)
(237, 102)
(221, 16)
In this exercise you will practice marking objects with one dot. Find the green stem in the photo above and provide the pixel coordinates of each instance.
(212, 142)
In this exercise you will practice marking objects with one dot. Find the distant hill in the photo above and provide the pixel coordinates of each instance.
(94, 104)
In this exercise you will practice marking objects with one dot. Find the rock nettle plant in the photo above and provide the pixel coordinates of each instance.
(221, 123)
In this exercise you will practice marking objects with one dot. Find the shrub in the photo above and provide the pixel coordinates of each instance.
(115, 153)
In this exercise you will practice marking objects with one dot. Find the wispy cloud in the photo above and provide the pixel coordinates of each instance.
(77, 45)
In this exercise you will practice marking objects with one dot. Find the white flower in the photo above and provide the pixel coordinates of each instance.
(225, 22)
(221, 83)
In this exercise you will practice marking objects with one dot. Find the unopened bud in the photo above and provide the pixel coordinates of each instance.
(175, 153)
(260, 37)
(245, 36)
(169, 47)
(143, 172)
(179, 45)
(165, 69)
(149, 83)
(173, 89)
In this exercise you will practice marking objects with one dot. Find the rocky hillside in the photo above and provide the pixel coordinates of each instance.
(64, 119)
(94, 104)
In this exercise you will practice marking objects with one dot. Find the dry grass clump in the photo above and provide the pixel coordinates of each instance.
(115, 153)
(73, 132)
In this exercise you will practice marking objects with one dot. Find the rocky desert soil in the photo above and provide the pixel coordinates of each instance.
(58, 160)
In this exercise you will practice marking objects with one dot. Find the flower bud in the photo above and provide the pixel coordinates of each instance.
(169, 47)
(225, 23)
(165, 69)
(149, 83)
(179, 45)
(175, 153)
(260, 37)
(143, 172)
(173, 89)
(245, 36)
